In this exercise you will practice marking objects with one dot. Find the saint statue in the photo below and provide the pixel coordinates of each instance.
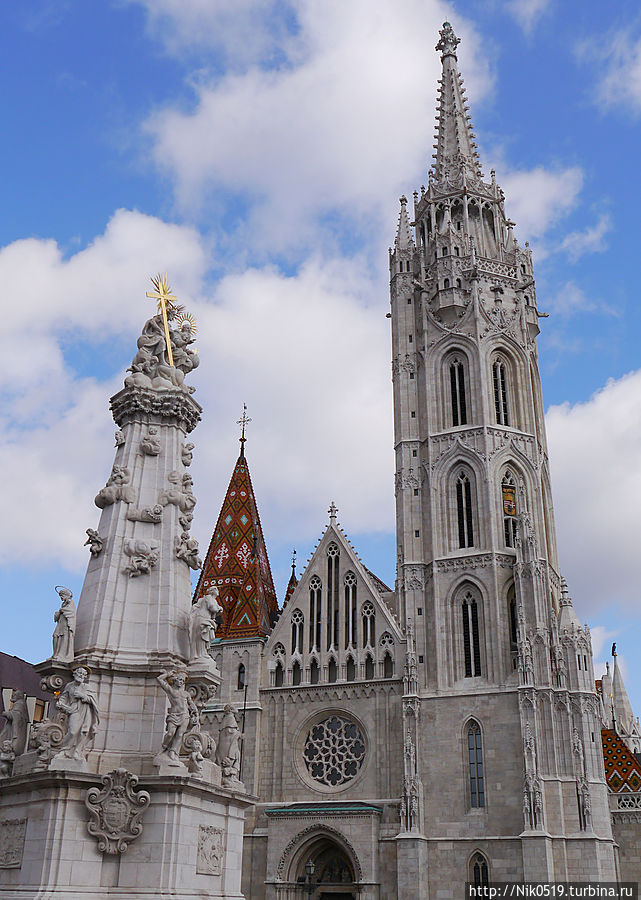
(65, 619)
(83, 716)
(228, 749)
(181, 709)
(202, 623)
(17, 725)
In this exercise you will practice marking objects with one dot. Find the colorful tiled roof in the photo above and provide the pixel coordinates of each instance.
(237, 563)
(622, 769)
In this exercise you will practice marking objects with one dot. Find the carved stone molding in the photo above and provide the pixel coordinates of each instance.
(116, 810)
(481, 561)
(172, 407)
(12, 835)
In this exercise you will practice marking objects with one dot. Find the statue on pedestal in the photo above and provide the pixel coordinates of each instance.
(17, 725)
(202, 624)
(83, 716)
(181, 710)
(65, 619)
(228, 749)
(7, 757)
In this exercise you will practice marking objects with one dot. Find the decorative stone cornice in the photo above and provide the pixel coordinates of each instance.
(139, 404)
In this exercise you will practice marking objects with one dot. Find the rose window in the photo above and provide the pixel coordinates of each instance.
(334, 751)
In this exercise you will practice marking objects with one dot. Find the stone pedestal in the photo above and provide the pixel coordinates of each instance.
(411, 866)
(190, 844)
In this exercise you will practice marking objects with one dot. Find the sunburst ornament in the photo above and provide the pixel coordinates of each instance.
(187, 319)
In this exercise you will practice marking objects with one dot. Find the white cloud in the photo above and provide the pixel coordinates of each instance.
(618, 63)
(527, 12)
(344, 121)
(595, 449)
(538, 198)
(569, 300)
(592, 240)
(306, 352)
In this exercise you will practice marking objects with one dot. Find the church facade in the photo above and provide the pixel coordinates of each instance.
(402, 742)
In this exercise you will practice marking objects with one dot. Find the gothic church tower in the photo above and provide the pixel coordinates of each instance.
(499, 690)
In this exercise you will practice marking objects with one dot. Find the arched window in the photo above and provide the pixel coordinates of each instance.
(479, 875)
(278, 675)
(332, 670)
(315, 589)
(512, 618)
(508, 496)
(475, 765)
(296, 673)
(388, 666)
(446, 283)
(350, 610)
(369, 624)
(240, 682)
(350, 669)
(314, 672)
(297, 631)
(457, 392)
(333, 557)
(464, 511)
(499, 380)
(369, 668)
(471, 640)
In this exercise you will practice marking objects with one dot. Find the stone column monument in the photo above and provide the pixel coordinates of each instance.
(119, 792)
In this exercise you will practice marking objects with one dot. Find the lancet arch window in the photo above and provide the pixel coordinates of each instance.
(296, 673)
(464, 510)
(476, 772)
(469, 612)
(332, 670)
(368, 614)
(369, 667)
(333, 559)
(350, 669)
(500, 384)
(314, 672)
(278, 674)
(457, 390)
(351, 616)
(388, 666)
(508, 500)
(479, 871)
(315, 613)
(241, 678)
(298, 621)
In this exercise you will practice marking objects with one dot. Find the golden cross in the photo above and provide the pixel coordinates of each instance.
(165, 301)
(243, 421)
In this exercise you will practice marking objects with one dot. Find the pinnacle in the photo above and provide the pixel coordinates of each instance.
(455, 145)
(403, 239)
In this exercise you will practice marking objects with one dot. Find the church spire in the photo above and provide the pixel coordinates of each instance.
(455, 141)
(237, 561)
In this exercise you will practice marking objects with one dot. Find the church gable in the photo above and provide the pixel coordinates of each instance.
(336, 625)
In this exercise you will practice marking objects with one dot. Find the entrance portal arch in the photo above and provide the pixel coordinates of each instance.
(337, 871)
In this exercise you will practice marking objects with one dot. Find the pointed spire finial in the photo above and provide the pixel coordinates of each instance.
(403, 239)
(294, 562)
(243, 421)
(333, 512)
(448, 41)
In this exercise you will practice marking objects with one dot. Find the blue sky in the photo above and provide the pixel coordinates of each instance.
(257, 151)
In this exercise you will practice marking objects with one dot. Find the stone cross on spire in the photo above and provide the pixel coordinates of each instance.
(455, 144)
(333, 512)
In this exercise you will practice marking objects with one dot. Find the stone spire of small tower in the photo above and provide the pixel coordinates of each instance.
(624, 717)
(455, 141)
(403, 239)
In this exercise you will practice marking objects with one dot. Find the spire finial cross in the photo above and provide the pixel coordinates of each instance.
(333, 512)
(243, 421)
(294, 562)
(165, 303)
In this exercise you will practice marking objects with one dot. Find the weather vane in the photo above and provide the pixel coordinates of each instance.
(166, 302)
(244, 420)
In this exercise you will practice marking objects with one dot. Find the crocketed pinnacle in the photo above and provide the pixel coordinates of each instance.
(403, 239)
(620, 699)
(455, 144)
